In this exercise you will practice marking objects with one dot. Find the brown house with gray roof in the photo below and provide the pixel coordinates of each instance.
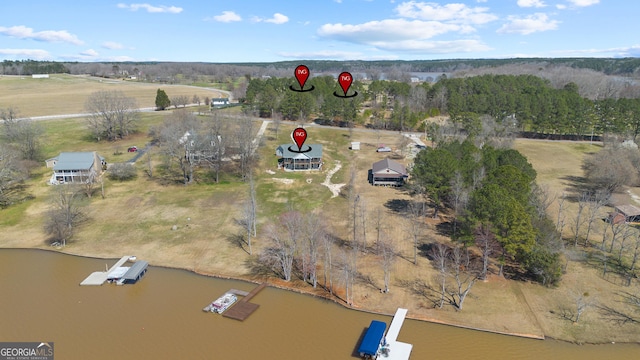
(388, 172)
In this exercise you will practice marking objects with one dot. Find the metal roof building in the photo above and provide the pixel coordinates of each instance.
(135, 272)
(310, 157)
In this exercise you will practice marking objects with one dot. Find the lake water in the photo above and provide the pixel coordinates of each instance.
(161, 317)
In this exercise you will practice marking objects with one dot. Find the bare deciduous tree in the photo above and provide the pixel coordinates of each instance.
(415, 226)
(245, 146)
(387, 253)
(180, 100)
(327, 255)
(582, 302)
(112, 114)
(464, 278)
(314, 233)
(439, 253)
(487, 243)
(284, 241)
(24, 135)
(600, 199)
(11, 174)
(250, 215)
(65, 213)
(172, 137)
(579, 217)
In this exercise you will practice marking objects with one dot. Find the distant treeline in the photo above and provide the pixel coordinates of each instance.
(608, 66)
(30, 67)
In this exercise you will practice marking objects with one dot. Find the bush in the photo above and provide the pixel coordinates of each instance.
(122, 172)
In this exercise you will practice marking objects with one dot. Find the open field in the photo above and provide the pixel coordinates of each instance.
(67, 94)
(138, 216)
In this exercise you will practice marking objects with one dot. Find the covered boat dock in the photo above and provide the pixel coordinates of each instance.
(135, 272)
(371, 341)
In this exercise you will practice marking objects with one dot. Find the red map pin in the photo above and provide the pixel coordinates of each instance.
(299, 135)
(302, 74)
(345, 79)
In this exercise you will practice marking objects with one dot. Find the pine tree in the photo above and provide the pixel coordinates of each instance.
(162, 100)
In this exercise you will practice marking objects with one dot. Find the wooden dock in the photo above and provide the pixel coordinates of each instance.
(243, 308)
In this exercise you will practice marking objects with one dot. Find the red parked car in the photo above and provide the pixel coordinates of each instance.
(133, 149)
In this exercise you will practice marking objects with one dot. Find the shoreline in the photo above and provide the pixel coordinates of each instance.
(328, 298)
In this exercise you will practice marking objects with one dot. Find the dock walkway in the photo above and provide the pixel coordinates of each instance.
(99, 277)
(397, 350)
(243, 308)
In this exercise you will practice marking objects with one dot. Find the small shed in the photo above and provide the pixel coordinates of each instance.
(630, 213)
(355, 145)
(388, 172)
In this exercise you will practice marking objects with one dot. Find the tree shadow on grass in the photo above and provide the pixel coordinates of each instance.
(424, 290)
(400, 206)
(239, 241)
(577, 185)
(258, 268)
(367, 280)
(445, 228)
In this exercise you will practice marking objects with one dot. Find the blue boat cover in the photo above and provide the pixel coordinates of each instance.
(371, 341)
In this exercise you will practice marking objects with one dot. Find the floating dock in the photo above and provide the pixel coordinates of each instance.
(134, 272)
(243, 308)
(396, 350)
(376, 344)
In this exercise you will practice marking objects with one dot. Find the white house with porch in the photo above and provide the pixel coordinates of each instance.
(291, 160)
(75, 167)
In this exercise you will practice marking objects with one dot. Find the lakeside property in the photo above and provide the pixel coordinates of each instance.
(196, 227)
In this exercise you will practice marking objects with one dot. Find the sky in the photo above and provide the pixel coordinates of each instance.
(270, 30)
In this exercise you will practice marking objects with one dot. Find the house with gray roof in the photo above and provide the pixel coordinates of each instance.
(75, 167)
(290, 159)
(388, 172)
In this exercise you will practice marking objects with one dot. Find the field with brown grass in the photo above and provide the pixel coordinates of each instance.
(195, 227)
(67, 94)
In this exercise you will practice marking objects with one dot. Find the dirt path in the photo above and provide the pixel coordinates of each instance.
(334, 188)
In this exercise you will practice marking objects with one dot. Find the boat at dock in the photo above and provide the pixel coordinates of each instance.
(222, 303)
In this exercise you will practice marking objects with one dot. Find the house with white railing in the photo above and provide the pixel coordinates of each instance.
(75, 167)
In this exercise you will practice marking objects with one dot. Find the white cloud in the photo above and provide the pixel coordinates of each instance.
(455, 13)
(278, 19)
(35, 54)
(23, 32)
(227, 16)
(531, 3)
(528, 24)
(90, 53)
(561, 6)
(111, 45)
(335, 55)
(628, 51)
(434, 47)
(583, 3)
(388, 30)
(152, 8)
(324, 54)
